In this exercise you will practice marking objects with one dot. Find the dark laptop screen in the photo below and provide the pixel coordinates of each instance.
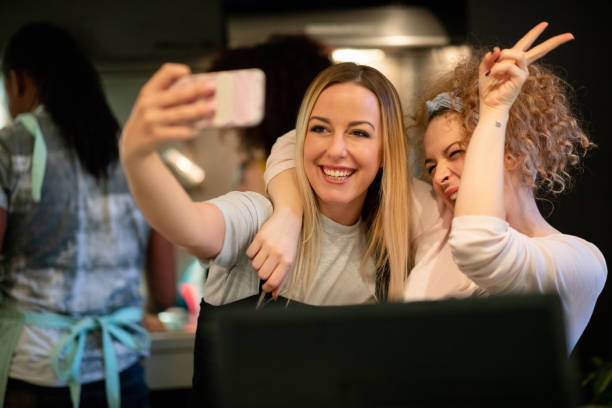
(493, 352)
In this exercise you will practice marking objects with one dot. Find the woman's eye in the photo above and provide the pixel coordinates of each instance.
(317, 129)
(430, 169)
(455, 152)
(360, 133)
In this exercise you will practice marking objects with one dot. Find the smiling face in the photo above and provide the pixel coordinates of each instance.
(343, 149)
(444, 155)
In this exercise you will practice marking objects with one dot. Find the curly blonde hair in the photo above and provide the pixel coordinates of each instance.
(542, 130)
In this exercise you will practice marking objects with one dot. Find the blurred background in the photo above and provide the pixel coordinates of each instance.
(408, 41)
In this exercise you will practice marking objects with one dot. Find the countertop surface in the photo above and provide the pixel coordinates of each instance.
(170, 364)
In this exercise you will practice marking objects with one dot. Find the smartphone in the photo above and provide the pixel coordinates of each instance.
(239, 95)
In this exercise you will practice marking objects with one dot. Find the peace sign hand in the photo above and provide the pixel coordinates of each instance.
(502, 73)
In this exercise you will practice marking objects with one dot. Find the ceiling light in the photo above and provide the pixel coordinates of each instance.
(359, 56)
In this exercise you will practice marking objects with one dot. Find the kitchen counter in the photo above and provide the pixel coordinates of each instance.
(170, 364)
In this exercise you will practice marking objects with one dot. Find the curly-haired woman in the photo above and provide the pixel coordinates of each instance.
(499, 133)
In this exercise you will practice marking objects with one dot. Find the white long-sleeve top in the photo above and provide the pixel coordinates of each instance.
(501, 260)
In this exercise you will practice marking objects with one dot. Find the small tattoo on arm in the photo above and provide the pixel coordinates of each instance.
(497, 124)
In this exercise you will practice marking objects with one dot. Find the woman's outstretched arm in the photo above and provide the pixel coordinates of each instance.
(164, 113)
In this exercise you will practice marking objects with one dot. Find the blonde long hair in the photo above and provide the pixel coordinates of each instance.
(388, 205)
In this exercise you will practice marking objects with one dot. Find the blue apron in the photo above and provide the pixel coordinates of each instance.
(120, 325)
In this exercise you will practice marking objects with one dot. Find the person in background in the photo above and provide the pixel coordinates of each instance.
(73, 244)
(499, 242)
(290, 63)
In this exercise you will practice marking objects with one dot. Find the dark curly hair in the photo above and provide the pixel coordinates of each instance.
(290, 63)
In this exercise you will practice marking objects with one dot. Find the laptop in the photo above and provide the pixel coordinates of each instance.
(503, 351)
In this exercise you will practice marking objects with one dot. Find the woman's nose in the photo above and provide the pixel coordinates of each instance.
(337, 147)
(441, 174)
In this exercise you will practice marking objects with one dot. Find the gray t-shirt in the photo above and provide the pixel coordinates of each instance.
(338, 280)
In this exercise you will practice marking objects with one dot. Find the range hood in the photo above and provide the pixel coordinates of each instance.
(127, 33)
(375, 27)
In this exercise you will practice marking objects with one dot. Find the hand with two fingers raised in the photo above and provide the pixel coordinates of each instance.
(502, 73)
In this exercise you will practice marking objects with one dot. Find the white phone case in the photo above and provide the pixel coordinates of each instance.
(240, 97)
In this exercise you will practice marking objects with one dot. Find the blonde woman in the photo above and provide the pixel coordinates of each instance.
(356, 245)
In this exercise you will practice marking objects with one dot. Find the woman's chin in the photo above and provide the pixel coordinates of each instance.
(449, 205)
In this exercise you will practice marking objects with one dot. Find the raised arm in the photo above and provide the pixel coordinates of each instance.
(501, 76)
(274, 248)
(163, 113)
(493, 253)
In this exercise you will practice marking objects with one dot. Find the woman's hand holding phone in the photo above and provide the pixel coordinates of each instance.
(239, 97)
(164, 112)
(175, 105)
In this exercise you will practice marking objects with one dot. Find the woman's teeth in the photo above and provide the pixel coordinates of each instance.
(337, 174)
(453, 196)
